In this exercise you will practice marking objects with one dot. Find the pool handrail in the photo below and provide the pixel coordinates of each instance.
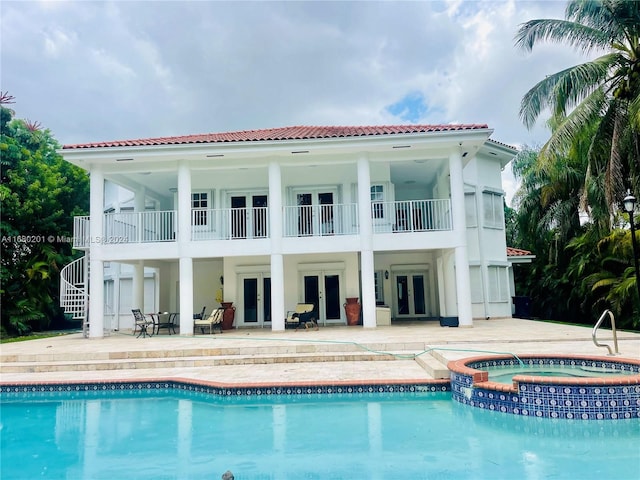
(613, 331)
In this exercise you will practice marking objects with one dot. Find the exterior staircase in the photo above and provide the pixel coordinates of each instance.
(74, 291)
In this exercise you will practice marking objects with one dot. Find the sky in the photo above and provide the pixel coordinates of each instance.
(97, 71)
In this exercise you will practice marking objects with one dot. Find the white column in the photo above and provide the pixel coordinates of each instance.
(184, 203)
(368, 300)
(463, 282)
(184, 237)
(186, 296)
(137, 285)
(96, 268)
(275, 233)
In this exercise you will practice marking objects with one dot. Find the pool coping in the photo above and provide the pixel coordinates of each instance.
(481, 377)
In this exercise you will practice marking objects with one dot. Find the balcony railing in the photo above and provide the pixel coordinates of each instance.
(411, 216)
(321, 220)
(81, 232)
(253, 222)
(139, 227)
(229, 223)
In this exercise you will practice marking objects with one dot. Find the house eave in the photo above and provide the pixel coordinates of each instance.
(466, 140)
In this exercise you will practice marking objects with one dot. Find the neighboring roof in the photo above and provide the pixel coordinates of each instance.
(517, 255)
(517, 252)
(283, 133)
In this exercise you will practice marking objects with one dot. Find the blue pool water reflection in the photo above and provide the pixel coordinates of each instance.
(171, 434)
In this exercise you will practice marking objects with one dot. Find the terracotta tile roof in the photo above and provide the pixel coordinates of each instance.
(517, 252)
(283, 133)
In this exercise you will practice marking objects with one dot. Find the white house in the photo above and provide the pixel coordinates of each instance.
(409, 216)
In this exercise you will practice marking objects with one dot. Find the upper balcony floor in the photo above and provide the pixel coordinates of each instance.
(253, 222)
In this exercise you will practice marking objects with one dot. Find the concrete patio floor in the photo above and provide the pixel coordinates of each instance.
(402, 341)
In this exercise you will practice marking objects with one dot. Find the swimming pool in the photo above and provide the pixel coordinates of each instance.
(170, 431)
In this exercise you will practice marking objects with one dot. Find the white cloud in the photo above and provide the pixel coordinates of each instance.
(141, 69)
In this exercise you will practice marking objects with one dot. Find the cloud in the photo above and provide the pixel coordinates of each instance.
(94, 71)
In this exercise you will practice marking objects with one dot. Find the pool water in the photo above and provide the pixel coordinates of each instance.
(173, 434)
(504, 374)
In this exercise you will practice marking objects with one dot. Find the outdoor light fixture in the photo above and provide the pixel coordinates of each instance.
(629, 203)
(386, 274)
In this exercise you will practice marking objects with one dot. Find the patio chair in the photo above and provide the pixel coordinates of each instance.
(303, 315)
(200, 316)
(142, 322)
(212, 321)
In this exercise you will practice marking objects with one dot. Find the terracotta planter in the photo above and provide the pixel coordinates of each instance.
(228, 316)
(352, 309)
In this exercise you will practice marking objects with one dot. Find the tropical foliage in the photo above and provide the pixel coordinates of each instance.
(601, 95)
(568, 206)
(40, 193)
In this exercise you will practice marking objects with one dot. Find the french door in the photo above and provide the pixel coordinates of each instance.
(249, 222)
(255, 295)
(315, 213)
(411, 295)
(323, 289)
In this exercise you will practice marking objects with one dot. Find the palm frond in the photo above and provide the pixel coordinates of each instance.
(563, 90)
(585, 114)
(581, 37)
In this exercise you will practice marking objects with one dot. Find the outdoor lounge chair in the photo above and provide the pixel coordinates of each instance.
(142, 322)
(212, 321)
(200, 316)
(303, 315)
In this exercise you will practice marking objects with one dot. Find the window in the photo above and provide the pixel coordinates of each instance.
(377, 197)
(493, 210)
(475, 276)
(199, 201)
(470, 209)
(378, 280)
(498, 290)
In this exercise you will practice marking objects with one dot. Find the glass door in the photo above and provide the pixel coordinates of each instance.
(259, 227)
(323, 290)
(315, 213)
(411, 295)
(255, 292)
(239, 217)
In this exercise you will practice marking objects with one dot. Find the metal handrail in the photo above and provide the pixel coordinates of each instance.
(613, 330)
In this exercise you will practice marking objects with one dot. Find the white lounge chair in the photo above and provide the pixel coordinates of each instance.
(212, 321)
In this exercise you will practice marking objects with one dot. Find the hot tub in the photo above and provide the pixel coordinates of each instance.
(572, 397)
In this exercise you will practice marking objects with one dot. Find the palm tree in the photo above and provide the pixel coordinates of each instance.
(603, 93)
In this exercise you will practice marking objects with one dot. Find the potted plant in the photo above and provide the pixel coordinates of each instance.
(229, 309)
(352, 309)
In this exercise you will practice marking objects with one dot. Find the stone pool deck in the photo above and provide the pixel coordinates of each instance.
(401, 353)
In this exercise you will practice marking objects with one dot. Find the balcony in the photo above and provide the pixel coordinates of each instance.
(320, 220)
(253, 222)
(411, 216)
(229, 223)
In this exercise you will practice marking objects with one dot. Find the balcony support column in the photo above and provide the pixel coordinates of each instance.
(137, 283)
(184, 203)
(186, 296)
(277, 261)
(368, 299)
(96, 232)
(463, 282)
(185, 308)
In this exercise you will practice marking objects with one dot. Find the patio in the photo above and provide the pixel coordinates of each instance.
(399, 353)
